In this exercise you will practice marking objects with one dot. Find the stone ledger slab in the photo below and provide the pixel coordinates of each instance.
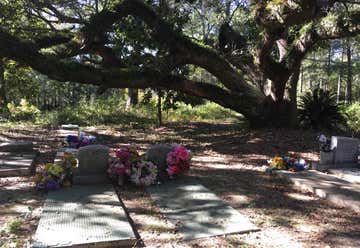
(16, 164)
(17, 146)
(349, 174)
(335, 190)
(197, 211)
(83, 216)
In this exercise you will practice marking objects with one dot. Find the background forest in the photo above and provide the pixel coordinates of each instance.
(333, 66)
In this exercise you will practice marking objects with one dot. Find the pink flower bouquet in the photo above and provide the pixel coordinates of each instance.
(178, 161)
(127, 154)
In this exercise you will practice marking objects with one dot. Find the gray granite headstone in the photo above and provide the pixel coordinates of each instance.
(157, 154)
(346, 151)
(326, 160)
(93, 163)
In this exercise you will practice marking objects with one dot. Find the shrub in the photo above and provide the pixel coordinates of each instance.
(24, 111)
(351, 114)
(206, 112)
(318, 109)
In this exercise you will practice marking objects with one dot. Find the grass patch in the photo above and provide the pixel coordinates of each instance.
(14, 226)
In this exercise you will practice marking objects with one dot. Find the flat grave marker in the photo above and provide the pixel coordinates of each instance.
(16, 158)
(84, 216)
(197, 211)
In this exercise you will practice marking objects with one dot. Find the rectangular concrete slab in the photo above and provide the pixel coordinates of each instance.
(337, 191)
(84, 216)
(17, 146)
(349, 174)
(16, 164)
(196, 211)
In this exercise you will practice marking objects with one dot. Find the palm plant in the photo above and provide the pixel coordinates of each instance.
(318, 109)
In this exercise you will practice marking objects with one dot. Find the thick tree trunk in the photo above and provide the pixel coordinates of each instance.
(133, 98)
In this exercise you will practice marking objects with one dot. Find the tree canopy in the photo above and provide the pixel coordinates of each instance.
(254, 49)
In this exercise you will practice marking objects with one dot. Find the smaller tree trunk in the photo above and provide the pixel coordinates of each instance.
(3, 98)
(159, 109)
(349, 73)
(338, 90)
(293, 120)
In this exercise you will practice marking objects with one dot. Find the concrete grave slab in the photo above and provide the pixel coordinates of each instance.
(196, 211)
(84, 216)
(337, 191)
(16, 164)
(17, 146)
(64, 132)
(349, 174)
(70, 127)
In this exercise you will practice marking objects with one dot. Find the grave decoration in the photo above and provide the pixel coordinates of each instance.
(143, 173)
(287, 163)
(178, 161)
(120, 166)
(324, 143)
(75, 141)
(53, 176)
(127, 165)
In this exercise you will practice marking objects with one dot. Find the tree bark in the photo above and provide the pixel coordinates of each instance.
(3, 98)
(132, 98)
(349, 73)
(159, 108)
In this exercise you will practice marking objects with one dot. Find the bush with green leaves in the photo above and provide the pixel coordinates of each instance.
(318, 109)
(351, 114)
(23, 112)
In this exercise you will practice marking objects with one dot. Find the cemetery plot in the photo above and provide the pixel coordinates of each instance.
(16, 158)
(196, 211)
(83, 216)
(16, 164)
(337, 191)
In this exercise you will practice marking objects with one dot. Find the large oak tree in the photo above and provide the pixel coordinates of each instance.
(92, 42)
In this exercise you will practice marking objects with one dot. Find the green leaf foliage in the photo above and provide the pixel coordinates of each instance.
(318, 109)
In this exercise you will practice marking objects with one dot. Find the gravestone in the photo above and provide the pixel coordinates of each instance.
(93, 163)
(346, 151)
(157, 154)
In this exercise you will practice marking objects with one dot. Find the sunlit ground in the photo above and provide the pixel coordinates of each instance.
(227, 159)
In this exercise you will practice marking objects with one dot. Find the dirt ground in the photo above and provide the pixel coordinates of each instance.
(227, 159)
